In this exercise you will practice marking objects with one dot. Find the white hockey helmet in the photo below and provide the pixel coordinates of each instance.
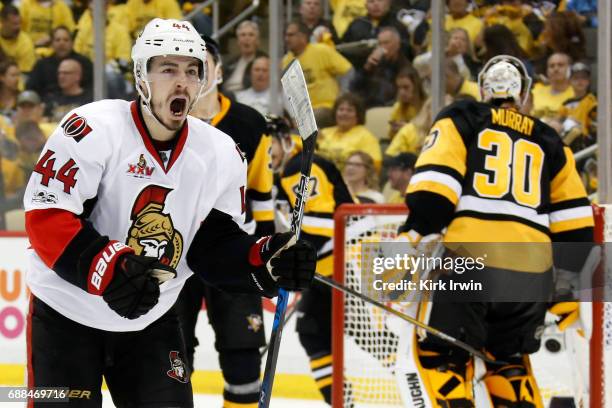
(166, 37)
(504, 77)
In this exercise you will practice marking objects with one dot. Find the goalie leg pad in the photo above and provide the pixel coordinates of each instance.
(514, 385)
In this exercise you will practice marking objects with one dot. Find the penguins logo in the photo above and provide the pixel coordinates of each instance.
(152, 232)
(177, 367)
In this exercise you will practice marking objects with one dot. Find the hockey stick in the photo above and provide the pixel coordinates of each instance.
(441, 335)
(294, 87)
(291, 313)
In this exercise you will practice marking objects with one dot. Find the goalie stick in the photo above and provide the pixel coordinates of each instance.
(294, 87)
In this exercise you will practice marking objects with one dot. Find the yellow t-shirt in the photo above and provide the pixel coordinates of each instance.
(336, 145)
(406, 140)
(20, 49)
(38, 19)
(582, 110)
(345, 11)
(140, 13)
(547, 104)
(13, 176)
(118, 43)
(469, 88)
(473, 25)
(321, 65)
(401, 113)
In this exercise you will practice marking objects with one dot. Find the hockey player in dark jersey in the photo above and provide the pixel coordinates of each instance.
(237, 319)
(327, 191)
(488, 173)
(139, 195)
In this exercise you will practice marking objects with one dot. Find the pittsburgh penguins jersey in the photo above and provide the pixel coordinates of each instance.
(101, 175)
(492, 174)
(327, 191)
(248, 129)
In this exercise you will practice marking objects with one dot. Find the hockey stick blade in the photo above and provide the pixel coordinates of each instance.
(294, 86)
(433, 331)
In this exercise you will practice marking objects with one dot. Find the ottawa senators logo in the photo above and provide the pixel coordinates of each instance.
(152, 232)
(177, 370)
(76, 127)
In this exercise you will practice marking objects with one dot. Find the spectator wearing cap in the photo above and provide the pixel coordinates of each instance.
(311, 14)
(361, 178)
(459, 16)
(400, 169)
(30, 140)
(327, 71)
(548, 99)
(31, 108)
(236, 67)
(39, 18)
(43, 78)
(367, 27)
(348, 134)
(579, 114)
(9, 87)
(71, 93)
(375, 81)
(15, 43)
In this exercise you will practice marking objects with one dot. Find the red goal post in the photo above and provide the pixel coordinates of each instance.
(386, 217)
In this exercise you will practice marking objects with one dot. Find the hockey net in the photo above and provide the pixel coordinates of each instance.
(364, 345)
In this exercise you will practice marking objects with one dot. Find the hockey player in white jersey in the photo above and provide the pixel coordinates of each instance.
(138, 194)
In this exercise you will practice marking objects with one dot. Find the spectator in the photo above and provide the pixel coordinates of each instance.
(43, 78)
(311, 14)
(140, 12)
(510, 14)
(375, 81)
(344, 12)
(327, 70)
(117, 47)
(361, 178)
(349, 134)
(579, 114)
(16, 44)
(71, 94)
(459, 16)
(30, 140)
(247, 34)
(460, 49)
(411, 137)
(9, 87)
(548, 99)
(258, 95)
(410, 99)
(457, 85)
(30, 108)
(40, 17)
(562, 34)
(499, 40)
(400, 169)
(367, 27)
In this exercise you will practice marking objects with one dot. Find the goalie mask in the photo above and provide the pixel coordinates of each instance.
(162, 38)
(504, 78)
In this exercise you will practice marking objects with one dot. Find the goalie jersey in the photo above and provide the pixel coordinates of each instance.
(101, 175)
(492, 174)
(248, 129)
(327, 191)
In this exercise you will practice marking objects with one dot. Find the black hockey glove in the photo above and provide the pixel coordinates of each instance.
(129, 283)
(290, 263)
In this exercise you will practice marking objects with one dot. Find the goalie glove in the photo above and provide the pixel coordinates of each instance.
(289, 264)
(128, 283)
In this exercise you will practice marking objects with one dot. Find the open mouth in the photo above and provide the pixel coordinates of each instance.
(177, 106)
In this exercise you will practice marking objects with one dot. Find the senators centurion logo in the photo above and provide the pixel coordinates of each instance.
(152, 232)
(177, 371)
(76, 127)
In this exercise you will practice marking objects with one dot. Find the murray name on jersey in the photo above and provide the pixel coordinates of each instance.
(108, 178)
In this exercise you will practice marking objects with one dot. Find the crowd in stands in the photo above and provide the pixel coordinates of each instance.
(370, 62)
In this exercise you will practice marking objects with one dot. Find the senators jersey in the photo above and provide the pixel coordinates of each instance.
(327, 191)
(101, 175)
(494, 175)
(248, 129)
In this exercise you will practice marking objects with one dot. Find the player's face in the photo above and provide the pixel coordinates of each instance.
(405, 89)
(355, 170)
(346, 116)
(174, 82)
